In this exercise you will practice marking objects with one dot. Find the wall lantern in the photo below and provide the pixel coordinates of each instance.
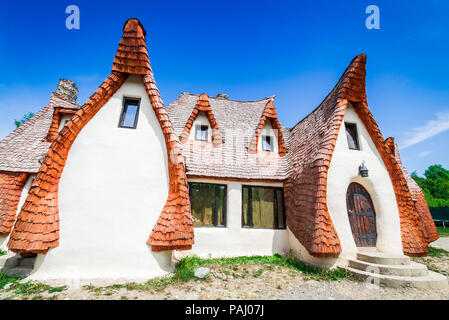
(363, 170)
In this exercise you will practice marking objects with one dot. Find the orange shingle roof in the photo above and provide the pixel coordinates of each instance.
(202, 105)
(269, 113)
(132, 54)
(37, 227)
(11, 188)
(425, 216)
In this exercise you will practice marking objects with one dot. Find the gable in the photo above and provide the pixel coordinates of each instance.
(201, 111)
(269, 116)
(37, 227)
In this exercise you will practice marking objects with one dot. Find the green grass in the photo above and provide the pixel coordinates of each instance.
(3, 252)
(28, 288)
(443, 232)
(437, 252)
(185, 271)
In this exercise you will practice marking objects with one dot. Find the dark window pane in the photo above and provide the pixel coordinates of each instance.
(221, 205)
(245, 206)
(351, 135)
(280, 206)
(129, 114)
(266, 143)
(208, 204)
(263, 207)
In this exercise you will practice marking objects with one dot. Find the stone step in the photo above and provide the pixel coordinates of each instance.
(383, 258)
(411, 270)
(17, 272)
(432, 280)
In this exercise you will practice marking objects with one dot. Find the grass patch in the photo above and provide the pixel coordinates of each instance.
(443, 232)
(185, 271)
(3, 252)
(437, 252)
(28, 288)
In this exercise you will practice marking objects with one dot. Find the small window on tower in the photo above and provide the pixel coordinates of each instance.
(351, 135)
(267, 144)
(130, 113)
(201, 132)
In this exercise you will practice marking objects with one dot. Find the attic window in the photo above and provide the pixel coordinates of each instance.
(351, 135)
(201, 133)
(267, 143)
(130, 113)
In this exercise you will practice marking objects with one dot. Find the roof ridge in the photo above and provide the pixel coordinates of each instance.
(30, 122)
(272, 97)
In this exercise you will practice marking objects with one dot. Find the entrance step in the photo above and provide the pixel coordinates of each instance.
(383, 258)
(15, 266)
(411, 270)
(432, 280)
(394, 271)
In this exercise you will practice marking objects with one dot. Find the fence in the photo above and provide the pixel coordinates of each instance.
(440, 215)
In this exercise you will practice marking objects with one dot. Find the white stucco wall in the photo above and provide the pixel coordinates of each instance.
(344, 170)
(112, 190)
(233, 240)
(26, 188)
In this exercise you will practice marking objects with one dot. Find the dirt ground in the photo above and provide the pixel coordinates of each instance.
(248, 282)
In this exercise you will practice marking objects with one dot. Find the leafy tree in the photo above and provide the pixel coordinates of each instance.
(25, 118)
(435, 185)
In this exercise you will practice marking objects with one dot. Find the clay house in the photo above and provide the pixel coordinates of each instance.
(124, 185)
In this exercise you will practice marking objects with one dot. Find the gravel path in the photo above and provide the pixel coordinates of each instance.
(248, 282)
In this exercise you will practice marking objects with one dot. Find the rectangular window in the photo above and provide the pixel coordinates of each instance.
(266, 143)
(201, 132)
(208, 202)
(263, 207)
(351, 135)
(130, 113)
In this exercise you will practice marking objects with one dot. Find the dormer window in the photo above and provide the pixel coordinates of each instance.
(201, 133)
(267, 143)
(352, 136)
(130, 113)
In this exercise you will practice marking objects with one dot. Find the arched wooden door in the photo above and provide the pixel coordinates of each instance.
(362, 216)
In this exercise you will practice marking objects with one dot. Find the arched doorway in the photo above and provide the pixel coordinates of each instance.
(362, 216)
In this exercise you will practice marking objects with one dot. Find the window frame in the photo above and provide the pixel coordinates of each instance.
(200, 127)
(271, 143)
(215, 212)
(275, 213)
(125, 104)
(357, 140)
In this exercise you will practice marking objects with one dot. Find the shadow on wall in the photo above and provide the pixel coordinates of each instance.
(163, 259)
(280, 242)
(3, 242)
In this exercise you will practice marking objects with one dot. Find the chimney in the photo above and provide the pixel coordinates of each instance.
(223, 96)
(67, 90)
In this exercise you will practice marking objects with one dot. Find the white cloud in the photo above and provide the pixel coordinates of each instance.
(424, 154)
(430, 129)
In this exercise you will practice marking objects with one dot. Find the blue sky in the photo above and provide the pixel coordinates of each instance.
(296, 50)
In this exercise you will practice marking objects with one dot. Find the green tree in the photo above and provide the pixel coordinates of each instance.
(25, 118)
(435, 185)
